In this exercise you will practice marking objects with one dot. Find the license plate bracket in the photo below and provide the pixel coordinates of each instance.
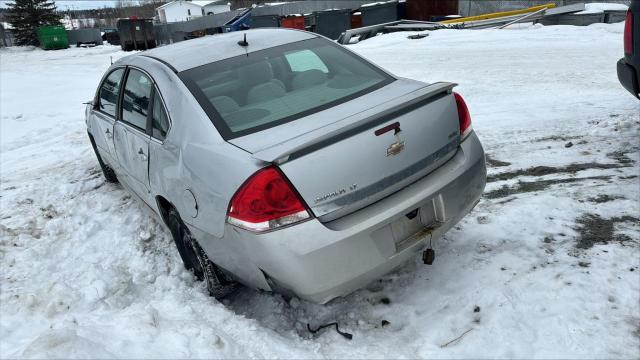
(413, 227)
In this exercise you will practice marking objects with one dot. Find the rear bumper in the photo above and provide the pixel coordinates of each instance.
(320, 261)
(629, 77)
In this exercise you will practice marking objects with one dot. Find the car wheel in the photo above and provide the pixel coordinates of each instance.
(196, 260)
(108, 172)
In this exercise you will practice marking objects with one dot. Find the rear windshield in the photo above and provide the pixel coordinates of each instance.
(253, 92)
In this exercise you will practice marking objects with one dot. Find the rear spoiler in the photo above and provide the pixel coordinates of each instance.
(347, 127)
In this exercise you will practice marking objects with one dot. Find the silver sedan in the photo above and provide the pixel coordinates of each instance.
(285, 162)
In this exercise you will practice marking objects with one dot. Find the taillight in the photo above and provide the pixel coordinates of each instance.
(628, 34)
(266, 201)
(464, 118)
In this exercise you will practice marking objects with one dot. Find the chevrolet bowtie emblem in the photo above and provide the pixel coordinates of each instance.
(396, 147)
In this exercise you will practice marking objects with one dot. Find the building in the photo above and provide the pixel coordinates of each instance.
(183, 10)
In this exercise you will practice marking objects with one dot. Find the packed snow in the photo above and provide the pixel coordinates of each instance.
(546, 266)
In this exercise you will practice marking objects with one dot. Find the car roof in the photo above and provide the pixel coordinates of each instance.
(185, 55)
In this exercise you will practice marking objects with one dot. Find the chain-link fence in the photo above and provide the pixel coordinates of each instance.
(306, 7)
(477, 7)
(178, 31)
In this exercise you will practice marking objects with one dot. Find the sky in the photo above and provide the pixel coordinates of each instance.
(75, 5)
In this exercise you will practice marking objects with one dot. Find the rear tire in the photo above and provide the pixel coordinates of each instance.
(108, 172)
(195, 259)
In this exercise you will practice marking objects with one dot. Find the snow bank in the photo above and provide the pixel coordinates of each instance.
(597, 8)
(88, 272)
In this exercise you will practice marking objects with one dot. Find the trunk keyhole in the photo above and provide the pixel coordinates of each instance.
(412, 214)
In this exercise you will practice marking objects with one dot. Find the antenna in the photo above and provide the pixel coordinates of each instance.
(243, 42)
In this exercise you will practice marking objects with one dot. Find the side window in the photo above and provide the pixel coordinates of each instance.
(109, 90)
(304, 60)
(160, 120)
(137, 96)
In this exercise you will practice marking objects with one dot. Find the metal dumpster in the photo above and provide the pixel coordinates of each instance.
(262, 21)
(331, 23)
(310, 22)
(423, 10)
(111, 36)
(292, 22)
(614, 16)
(136, 34)
(573, 19)
(85, 36)
(379, 13)
(356, 19)
(402, 10)
(52, 37)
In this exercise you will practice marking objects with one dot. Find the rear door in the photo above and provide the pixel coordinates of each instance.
(131, 134)
(104, 115)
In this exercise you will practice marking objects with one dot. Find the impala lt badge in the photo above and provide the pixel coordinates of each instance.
(336, 193)
(396, 147)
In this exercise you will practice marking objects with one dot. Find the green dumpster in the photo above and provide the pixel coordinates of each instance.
(53, 37)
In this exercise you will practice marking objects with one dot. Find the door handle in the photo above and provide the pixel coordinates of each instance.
(143, 156)
(109, 135)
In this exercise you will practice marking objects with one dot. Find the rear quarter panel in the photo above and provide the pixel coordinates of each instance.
(193, 157)
(635, 59)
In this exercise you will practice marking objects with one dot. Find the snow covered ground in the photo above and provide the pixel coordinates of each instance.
(546, 266)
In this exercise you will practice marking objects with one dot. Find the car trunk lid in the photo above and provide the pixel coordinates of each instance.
(369, 152)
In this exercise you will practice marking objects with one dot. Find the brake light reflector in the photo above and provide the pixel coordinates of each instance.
(628, 34)
(464, 118)
(266, 201)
